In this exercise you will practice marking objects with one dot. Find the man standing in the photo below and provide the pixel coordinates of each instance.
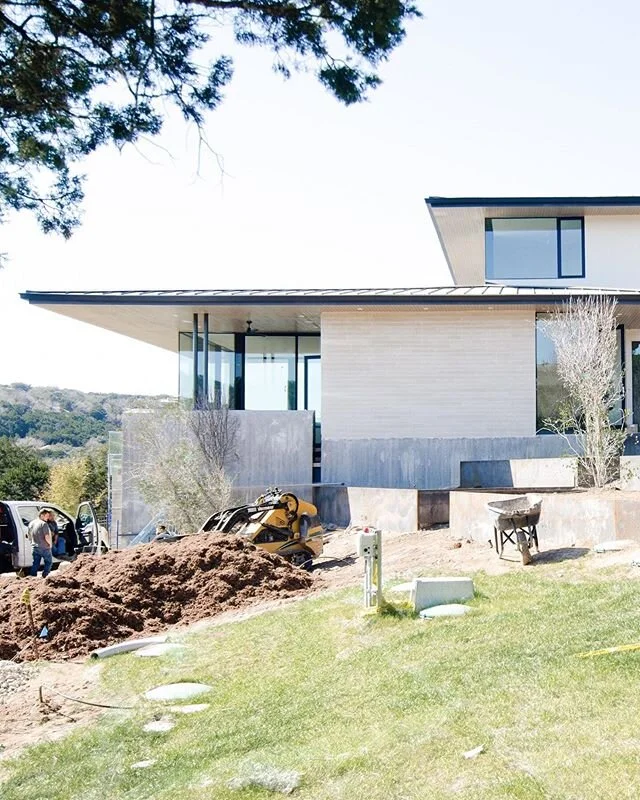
(40, 534)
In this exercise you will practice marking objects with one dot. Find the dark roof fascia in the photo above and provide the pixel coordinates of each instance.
(516, 202)
(326, 300)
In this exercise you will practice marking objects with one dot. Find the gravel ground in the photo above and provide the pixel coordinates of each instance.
(13, 677)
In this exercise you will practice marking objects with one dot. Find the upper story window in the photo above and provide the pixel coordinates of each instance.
(535, 248)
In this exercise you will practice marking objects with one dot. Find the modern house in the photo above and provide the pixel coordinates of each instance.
(398, 387)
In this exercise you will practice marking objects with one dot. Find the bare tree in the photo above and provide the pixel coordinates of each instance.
(183, 461)
(590, 419)
(216, 434)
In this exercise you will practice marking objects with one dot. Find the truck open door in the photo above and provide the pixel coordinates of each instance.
(87, 529)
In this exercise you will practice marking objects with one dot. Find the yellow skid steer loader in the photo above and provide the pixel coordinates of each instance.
(278, 522)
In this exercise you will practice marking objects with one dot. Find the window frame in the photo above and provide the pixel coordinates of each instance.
(559, 274)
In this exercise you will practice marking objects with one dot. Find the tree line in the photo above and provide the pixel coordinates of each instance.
(53, 427)
(25, 475)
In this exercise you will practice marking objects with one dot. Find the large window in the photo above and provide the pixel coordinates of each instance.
(260, 372)
(185, 383)
(270, 373)
(550, 393)
(534, 248)
(309, 385)
(221, 371)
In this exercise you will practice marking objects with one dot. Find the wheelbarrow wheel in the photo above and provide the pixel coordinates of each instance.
(523, 547)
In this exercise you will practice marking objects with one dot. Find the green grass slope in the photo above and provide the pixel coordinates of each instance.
(381, 708)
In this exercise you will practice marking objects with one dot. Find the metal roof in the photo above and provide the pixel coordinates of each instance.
(157, 317)
(391, 296)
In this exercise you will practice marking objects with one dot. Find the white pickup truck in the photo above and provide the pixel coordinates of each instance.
(82, 534)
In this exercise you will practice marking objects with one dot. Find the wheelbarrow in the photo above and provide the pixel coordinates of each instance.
(516, 521)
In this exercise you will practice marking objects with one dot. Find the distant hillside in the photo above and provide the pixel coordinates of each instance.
(58, 422)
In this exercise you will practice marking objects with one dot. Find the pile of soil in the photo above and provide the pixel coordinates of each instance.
(95, 602)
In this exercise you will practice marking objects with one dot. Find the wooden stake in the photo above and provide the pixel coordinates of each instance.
(26, 599)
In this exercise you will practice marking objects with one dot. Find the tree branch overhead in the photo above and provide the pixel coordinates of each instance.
(56, 55)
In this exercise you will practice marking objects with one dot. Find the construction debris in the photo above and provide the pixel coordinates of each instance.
(13, 677)
(128, 646)
(605, 651)
(447, 610)
(141, 591)
(614, 545)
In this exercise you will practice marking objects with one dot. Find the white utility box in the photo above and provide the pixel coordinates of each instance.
(428, 592)
(366, 544)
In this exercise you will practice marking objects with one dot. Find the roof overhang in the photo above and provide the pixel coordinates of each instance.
(158, 317)
(459, 222)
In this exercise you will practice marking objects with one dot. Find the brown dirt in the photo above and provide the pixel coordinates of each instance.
(99, 601)
(25, 720)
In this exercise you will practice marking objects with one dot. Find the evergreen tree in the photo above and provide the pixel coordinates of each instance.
(23, 474)
(77, 75)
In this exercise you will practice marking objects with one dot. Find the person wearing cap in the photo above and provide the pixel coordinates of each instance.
(40, 534)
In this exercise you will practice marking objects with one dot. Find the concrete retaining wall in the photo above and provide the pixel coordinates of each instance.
(423, 463)
(400, 510)
(274, 448)
(573, 517)
(531, 472)
(388, 509)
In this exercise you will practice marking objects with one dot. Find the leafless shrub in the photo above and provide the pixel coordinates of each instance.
(583, 332)
(182, 461)
(216, 434)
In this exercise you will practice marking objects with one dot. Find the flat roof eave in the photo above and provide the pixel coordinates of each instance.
(157, 318)
(516, 202)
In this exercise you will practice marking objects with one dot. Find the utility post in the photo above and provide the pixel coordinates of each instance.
(370, 548)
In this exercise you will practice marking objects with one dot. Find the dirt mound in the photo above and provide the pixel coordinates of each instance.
(99, 601)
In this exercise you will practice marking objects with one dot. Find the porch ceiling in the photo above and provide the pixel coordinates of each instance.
(160, 325)
(156, 318)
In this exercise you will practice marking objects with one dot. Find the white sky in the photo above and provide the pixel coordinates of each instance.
(493, 98)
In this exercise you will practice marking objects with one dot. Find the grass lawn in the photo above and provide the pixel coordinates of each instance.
(381, 708)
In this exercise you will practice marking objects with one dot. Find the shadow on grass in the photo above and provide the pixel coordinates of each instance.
(550, 556)
(560, 554)
(328, 563)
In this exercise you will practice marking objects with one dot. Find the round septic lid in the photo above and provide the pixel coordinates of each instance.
(177, 691)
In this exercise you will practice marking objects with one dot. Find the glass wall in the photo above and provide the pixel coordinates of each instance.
(635, 381)
(270, 373)
(550, 393)
(309, 378)
(221, 370)
(185, 381)
(253, 371)
(535, 248)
